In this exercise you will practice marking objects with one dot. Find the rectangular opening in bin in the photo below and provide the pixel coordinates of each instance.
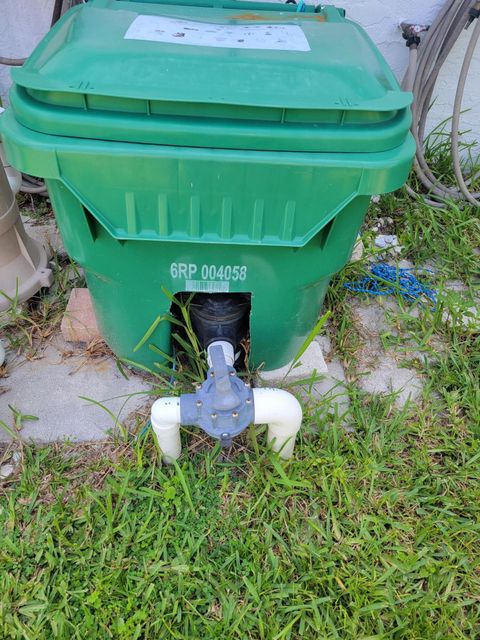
(213, 316)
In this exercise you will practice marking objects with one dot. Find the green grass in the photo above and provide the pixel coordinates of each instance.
(447, 237)
(366, 535)
(369, 535)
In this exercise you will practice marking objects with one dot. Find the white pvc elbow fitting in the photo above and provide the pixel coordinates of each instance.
(165, 420)
(282, 412)
(228, 352)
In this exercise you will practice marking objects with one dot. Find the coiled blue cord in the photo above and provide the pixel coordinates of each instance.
(385, 279)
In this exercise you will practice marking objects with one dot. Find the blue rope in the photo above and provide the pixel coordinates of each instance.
(385, 280)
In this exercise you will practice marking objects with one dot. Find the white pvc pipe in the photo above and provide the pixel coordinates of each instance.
(165, 420)
(228, 352)
(276, 408)
(282, 412)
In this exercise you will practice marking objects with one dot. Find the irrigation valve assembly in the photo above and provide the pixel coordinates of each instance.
(250, 197)
(223, 406)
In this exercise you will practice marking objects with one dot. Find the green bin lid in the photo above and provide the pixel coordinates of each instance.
(226, 76)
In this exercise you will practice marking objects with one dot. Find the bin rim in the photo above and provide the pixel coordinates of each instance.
(66, 160)
(346, 87)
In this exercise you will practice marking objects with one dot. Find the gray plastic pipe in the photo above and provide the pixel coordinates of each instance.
(276, 408)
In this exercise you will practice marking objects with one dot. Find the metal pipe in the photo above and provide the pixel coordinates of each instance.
(12, 62)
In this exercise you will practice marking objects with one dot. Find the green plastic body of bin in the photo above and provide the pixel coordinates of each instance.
(226, 148)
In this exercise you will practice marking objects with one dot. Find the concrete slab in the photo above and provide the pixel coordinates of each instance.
(455, 285)
(325, 344)
(467, 318)
(380, 371)
(50, 385)
(312, 363)
(358, 250)
(389, 377)
(369, 315)
(47, 233)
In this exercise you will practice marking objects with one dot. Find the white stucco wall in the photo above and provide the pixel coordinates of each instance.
(23, 22)
(381, 18)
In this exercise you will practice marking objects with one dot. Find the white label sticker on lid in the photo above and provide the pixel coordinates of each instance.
(284, 37)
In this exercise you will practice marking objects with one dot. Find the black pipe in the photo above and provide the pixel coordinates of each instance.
(57, 11)
(220, 316)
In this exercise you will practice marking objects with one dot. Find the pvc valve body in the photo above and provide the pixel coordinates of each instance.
(223, 407)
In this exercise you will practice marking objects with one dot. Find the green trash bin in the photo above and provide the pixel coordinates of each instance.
(208, 147)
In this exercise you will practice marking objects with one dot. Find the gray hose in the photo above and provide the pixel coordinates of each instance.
(409, 78)
(472, 198)
(32, 185)
(422, 73)
(27, 188)
(12, 62)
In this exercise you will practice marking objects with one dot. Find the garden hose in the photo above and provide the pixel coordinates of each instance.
(12, 62)
(32, 185)
(425, 62)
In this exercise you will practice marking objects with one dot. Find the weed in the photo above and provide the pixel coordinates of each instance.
(24, 325)
(18, 419)
(36, 207)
